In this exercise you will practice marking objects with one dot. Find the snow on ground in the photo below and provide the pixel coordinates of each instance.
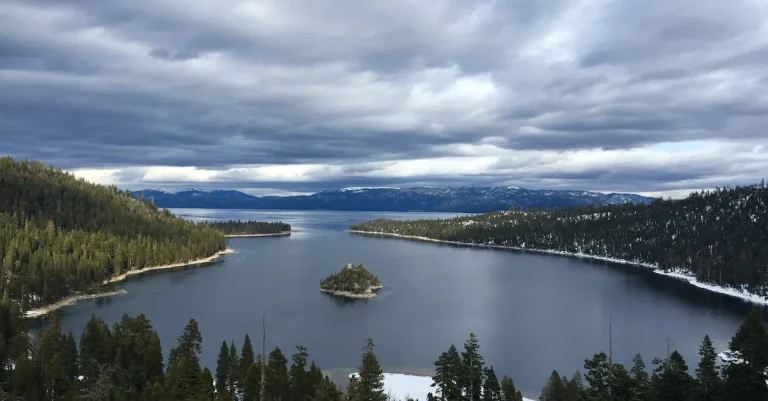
(401, 386)
(734, 292)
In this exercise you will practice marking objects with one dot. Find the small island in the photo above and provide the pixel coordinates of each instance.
(351, 282)
(237, 228)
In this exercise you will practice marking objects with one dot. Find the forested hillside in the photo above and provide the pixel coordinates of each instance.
(719, 236)
(60, 235)
(237, 227)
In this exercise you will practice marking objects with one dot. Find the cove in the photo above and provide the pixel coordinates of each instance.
(532, 313)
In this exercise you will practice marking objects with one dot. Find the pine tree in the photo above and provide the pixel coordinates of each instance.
(191, 340)
(621, 383)
(640, 379)
(54, 374)
(252, 382)
(154, 360)
(95, 348)
(208, 390)
(553, 390)
(246, 355)
(508, 390)
(24, 379)
(222, 369)
(315, 377)
(574, 389)
(472, 368)
(371, 384)
(299, 383)
(70, 357)
(277, 384)
(234, 371)
(708, 383)
(671, 381)
(746, 372)
(447, 378)
(597, 376)
(491, 387)
(184, 380)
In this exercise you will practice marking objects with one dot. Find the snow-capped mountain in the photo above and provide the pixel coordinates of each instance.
(429, 199)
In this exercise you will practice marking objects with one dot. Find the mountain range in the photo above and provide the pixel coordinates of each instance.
(425, 199)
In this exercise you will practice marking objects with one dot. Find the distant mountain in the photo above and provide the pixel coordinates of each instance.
(426, 199)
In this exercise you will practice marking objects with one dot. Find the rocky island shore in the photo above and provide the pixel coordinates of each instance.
(354, 282)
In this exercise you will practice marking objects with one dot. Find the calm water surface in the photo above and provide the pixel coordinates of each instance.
(532, 313)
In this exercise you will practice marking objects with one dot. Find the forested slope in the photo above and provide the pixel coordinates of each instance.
(61, 235)
(237, 227)
(718, 236)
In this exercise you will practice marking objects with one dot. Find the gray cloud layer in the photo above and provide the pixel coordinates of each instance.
(595, 94)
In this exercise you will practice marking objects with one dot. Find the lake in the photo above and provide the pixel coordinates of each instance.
(532, 313)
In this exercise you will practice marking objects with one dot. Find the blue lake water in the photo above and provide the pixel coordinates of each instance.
(532, 313)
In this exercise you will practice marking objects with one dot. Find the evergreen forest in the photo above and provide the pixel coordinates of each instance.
(60, 235)
(719, 236)
(125, 362)
(237, 227)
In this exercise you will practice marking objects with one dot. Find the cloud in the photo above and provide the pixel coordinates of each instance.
(299, 95)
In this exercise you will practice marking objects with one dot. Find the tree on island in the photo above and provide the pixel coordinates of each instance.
(351, 279)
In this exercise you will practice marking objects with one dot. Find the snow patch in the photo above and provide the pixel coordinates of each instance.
(742, 292)
(402, 386)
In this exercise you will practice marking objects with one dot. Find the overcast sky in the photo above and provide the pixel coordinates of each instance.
(294, 96)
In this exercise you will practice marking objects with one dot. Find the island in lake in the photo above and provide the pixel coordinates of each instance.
(351, 282)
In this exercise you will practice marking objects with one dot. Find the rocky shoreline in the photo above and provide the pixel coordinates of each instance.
(280, 234)
(367, 294)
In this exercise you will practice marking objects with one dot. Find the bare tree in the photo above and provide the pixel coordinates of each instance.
(103, 386)
(263, 357)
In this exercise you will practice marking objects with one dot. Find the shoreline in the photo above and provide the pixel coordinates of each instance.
(124, 276)
(742, 293)
(280, 234)
(71, 300)
(370, 294)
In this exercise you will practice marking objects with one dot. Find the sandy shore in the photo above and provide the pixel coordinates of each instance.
(741, 293)
(44, 310)
(68, 301)
(346, 294)
(280, 234)
(122, 277)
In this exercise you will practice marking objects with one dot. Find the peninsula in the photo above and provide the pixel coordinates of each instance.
(351, 282)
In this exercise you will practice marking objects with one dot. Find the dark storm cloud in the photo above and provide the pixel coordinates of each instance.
(225, 84)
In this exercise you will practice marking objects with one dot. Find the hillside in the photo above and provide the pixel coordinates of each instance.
(60, 235)
(718, 237)
(426, 199)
